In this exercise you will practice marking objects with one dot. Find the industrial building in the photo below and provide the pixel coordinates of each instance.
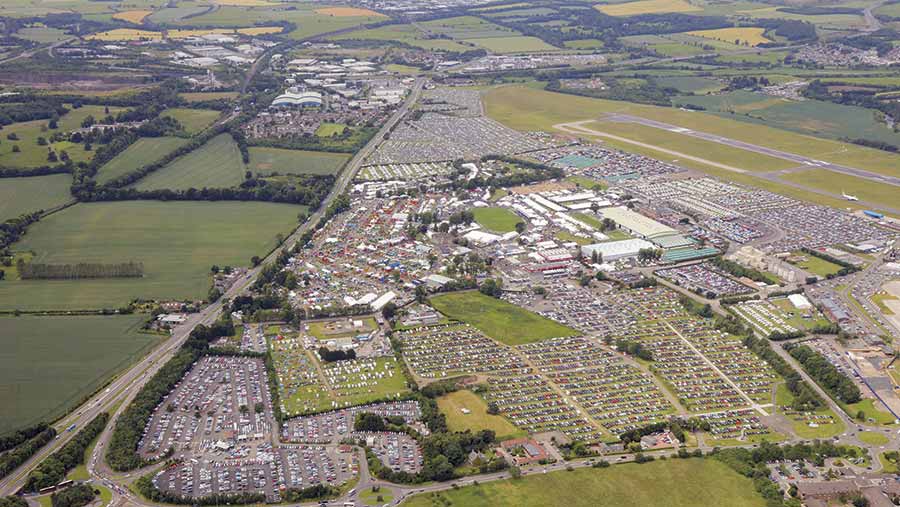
(296, 98)
(615, 250)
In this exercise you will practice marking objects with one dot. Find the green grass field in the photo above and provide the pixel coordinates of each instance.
(784, 398)
(867, 406)
(873, 437)
(144, 151)
(202, 96)
(837, 183)
(406, 34)
(498, 319)
(815, 265)
(216, 164)
(176, 241)
(192, 120)
(27, 195)
(329, 129)
(272, 160)
(513, 44)
(33, 155)
(812, 117)
(47, 364)
(496, 219)
(708, 150)
(673, 483)
(528, 109)
(452, 404)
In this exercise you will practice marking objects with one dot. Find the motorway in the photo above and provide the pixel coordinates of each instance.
(128, 384)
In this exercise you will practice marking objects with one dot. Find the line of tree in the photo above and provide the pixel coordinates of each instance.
(838, 385)
(145, 486)
(53, 470)
(20, 172)
(21, 453)
(74, 496)
(122, 453)
(10, 441)
(735, 269)
(39, 271)
(307, 189)
(805, 397)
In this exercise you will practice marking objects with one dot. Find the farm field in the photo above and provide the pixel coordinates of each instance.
(144, 151)
(309, 22)
(478, 419)
(343, 12)
(466, 27)
(48, 364)
(646, 7)
(515, 44)
(192, 120)
(749, 36)
(873, 437)
(128, 34)
(407, 34)
(33, 155)
(216, 164)
(496, 219)
(42, 34)
(502, 321)
(135, 17)
(176, 259)
(277, 160)
(525, 108)
(27, 195)
(674, 483)
(837, 183)
(201, 96)
(691, 84)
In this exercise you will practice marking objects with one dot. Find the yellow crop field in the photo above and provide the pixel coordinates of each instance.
(120, 34)
(125, 34)
(646, 7)
(245, 3)
(750, 35)
(135, 17)
(347, 12)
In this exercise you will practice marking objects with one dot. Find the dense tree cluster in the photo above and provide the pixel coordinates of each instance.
(805, 397)
(330, 356)
(145, 486)
(20, 436)
(634, 348)
(53, 470)
(74, 496)
(122, 451)
(735, 269)
(13, 501)
(825, 374)
(39, 271)
(22, 452)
